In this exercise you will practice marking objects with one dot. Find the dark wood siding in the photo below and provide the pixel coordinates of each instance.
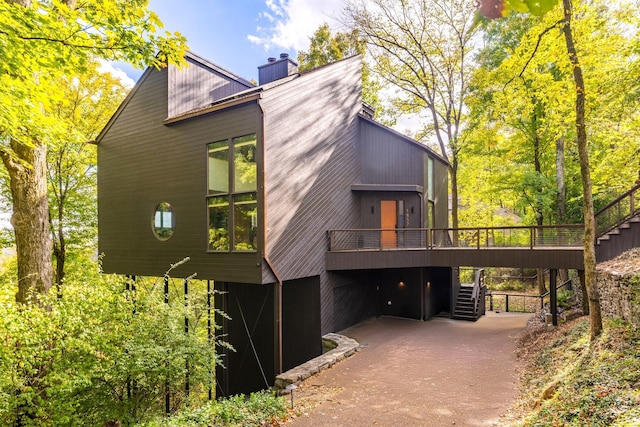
(142, 162)
(628, 237)
(196, 86)
(301, 339)
(277, 70)
(570, 258)
(387, 159)
(311, 160)
(400, 292)
(252, 366)
(355, 298)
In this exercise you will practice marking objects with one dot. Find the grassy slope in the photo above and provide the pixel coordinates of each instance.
(568, 381)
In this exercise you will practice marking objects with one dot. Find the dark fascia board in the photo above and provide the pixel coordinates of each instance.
(229, 102)
(218, 69)
(407, 139)
(404, 188)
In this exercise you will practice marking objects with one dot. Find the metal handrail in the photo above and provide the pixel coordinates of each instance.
(507, 296)
(616, 213)
(469, 237)
(478, 283)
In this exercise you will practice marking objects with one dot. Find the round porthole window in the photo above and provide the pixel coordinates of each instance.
(164, 221)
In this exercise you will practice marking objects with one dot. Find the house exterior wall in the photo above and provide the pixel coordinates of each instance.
(252, 366)
(370, 207)
(143, 162)
(386, 159)
(197, 85)
(311, 124)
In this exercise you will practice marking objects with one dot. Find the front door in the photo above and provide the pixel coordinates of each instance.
(388, 224)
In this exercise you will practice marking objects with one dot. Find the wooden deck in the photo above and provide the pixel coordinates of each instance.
(525, 247)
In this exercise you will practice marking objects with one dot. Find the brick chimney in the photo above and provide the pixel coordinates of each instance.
(276, 69)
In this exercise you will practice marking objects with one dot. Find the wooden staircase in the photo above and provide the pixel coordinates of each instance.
(465, 305)
(618, 225)
(470, 302)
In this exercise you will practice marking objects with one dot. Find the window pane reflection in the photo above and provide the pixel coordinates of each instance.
(245, 164)
(246, 222)
(219, 167)
(218, 223)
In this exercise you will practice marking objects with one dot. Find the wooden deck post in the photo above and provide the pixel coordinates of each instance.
(553, 301)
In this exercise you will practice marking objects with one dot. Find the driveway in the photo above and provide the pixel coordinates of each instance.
(441, 372)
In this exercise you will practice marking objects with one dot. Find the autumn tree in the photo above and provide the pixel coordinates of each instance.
(40, 42)
(423, 50)
(90, 98)
(565, 24)
(517, 118)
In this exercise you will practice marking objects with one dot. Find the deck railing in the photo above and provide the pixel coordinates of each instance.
(479, 238)
(520, 303)
(618, 211)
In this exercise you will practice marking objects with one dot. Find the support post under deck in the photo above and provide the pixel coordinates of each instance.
(553, 293)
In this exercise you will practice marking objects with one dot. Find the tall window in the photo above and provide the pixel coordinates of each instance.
(430, 199)
(232, 189)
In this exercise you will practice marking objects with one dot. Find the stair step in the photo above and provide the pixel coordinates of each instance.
(635, 219)
(459, 317)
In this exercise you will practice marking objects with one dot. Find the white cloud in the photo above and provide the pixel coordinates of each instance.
(292, 22)
(268, 16)
(253, 39)
(108, 67)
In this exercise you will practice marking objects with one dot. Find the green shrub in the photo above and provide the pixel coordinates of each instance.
(258, 409)
(563, 297)
(100, 353)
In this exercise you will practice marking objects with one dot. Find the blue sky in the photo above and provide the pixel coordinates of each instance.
(240, 35)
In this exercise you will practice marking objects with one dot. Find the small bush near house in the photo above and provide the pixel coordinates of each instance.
(261, 409)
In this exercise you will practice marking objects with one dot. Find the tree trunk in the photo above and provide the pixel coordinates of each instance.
(561, 200)
(583, 289)
(27, 167)
(60, 254)
(595, 316)
(542, 287)
(454, 198)
(59, 241)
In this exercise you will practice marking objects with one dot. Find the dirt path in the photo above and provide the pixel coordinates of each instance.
(410, 373)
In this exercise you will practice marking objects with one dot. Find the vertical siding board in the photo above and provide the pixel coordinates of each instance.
(143, 162)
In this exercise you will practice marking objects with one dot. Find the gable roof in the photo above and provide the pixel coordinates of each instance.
(248, 95)
(189, 56)
(218, 69)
